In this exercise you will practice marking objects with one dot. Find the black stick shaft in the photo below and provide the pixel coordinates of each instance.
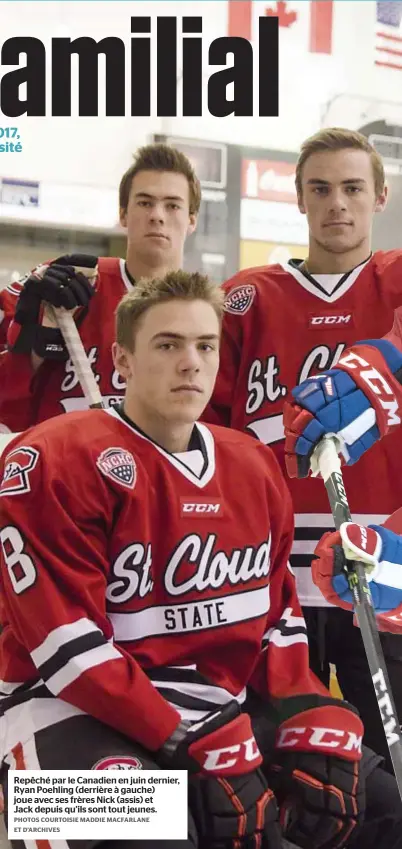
(330, 468)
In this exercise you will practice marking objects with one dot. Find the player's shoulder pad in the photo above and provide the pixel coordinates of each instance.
(243, 290)
(110, 265)
(16, 467)
(387, 260)
(394, 522)
(109, 455)
(87, 445)
(229, 436)
(245, 447)
(11, 292)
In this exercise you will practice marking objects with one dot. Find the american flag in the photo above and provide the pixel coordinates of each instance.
(388, 35)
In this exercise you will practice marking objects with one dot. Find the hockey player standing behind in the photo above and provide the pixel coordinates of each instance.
(284, 323)
(159, 199)
(159, 595)
(359, 402)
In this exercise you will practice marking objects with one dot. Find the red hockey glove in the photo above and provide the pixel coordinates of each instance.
(315, 775)
(67, 282)
(380, 549)
(229, 797)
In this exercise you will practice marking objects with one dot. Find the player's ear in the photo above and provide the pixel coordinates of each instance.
(121, 360)
(300, 204)
(192, 223)
(381, 200)
(123, 216)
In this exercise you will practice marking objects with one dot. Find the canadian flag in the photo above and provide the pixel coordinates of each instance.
(314, 19)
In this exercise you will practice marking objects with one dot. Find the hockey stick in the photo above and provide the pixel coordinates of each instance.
(329, 465)
(64, 320)
(79, 359)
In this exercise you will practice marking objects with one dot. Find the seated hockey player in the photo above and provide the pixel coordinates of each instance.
(149, 614)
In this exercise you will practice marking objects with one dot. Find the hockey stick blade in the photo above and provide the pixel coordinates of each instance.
(79, 359)
(329, 465)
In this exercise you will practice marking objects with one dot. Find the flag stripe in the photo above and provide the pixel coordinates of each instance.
(389, 50)
(390, 37)
(388, 65)
(321, 13)
(239, 18)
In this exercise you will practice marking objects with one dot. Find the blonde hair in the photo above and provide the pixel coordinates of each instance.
(161, 157)
(337, 138)
(176, 285)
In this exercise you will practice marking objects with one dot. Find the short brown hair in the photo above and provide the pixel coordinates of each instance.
(180, 285)
(161, 157)
(337, 138)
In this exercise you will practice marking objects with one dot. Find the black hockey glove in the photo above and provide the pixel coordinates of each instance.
(229, 798)
(316, 771)
(66, 282)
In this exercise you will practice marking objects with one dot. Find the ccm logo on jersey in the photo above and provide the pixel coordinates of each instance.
(335, 320)
(206, 507)
(239, 299)
(118, 465)
(19, 463)
(377, 383)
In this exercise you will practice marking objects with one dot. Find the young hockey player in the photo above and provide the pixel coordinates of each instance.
(159, 199)
(285, 322)
(359, 402)
(149, 613)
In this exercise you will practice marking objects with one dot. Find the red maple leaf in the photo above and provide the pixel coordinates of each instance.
(285, 18)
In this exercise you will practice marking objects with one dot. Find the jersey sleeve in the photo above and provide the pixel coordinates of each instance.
(283, 668)
(8, 299)
(16, 372)
(56, 519)
(395, 334)
(3, 322)
(16, 391)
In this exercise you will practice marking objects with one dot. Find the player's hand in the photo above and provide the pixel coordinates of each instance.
(230, 800)
(67, 282)
(316, 773)
(63, 283)
(359, 402)
(380, 549)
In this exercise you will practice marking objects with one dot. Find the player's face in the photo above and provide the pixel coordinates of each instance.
(158, 217)
(339, 200)
(171, 372)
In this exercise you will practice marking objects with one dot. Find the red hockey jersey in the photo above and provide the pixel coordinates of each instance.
(281, 326)
(27, 398)
(140, 586)
(8, 298)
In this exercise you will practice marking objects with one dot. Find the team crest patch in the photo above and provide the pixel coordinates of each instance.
(119, 465)
(18, 464)
(118, 762)
(239, 300)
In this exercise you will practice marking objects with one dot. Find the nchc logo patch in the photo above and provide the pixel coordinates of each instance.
(19, 463)
(239, 300)
(119, 762)
(119, 465)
